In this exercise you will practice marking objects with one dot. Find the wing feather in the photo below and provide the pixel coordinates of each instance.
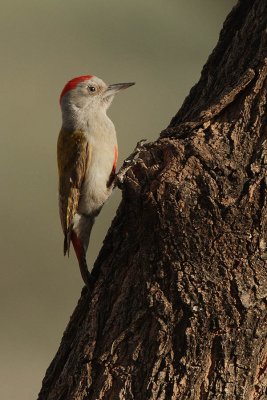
(73, 161)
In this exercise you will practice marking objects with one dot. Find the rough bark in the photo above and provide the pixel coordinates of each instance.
(179, 307)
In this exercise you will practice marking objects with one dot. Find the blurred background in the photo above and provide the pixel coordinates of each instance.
(162, 46)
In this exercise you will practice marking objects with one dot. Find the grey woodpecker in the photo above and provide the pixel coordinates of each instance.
(87, 154)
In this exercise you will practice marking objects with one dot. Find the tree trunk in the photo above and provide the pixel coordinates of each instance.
(179, 307)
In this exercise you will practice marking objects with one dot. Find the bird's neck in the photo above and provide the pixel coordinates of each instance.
(84, 119)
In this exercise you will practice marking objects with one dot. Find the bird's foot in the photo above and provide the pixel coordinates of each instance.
(128, 163)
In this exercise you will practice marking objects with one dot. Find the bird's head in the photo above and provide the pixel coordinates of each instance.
(88, 94)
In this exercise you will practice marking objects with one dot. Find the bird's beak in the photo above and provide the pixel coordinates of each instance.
(116, 87)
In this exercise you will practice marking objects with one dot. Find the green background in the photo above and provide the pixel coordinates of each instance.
(162, 46)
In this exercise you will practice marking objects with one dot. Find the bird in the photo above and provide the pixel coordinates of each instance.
(87, 154)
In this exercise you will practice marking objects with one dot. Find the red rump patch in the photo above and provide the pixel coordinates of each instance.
(73, 83)
(115, 159)
(77, 244)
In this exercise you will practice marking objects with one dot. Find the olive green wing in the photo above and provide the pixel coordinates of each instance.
(73, 153)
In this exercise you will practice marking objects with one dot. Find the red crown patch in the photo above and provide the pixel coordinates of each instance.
(73, 83)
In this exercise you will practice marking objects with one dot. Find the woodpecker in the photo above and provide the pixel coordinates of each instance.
(87, 154)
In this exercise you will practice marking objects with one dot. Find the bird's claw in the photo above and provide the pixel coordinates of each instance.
(129, 163)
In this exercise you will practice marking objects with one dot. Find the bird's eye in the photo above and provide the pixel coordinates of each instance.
(91, 88)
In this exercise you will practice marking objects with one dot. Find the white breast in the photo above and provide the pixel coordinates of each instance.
(102, 142)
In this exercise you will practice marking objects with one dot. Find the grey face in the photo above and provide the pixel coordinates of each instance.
(93, 94)
(86, 94)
